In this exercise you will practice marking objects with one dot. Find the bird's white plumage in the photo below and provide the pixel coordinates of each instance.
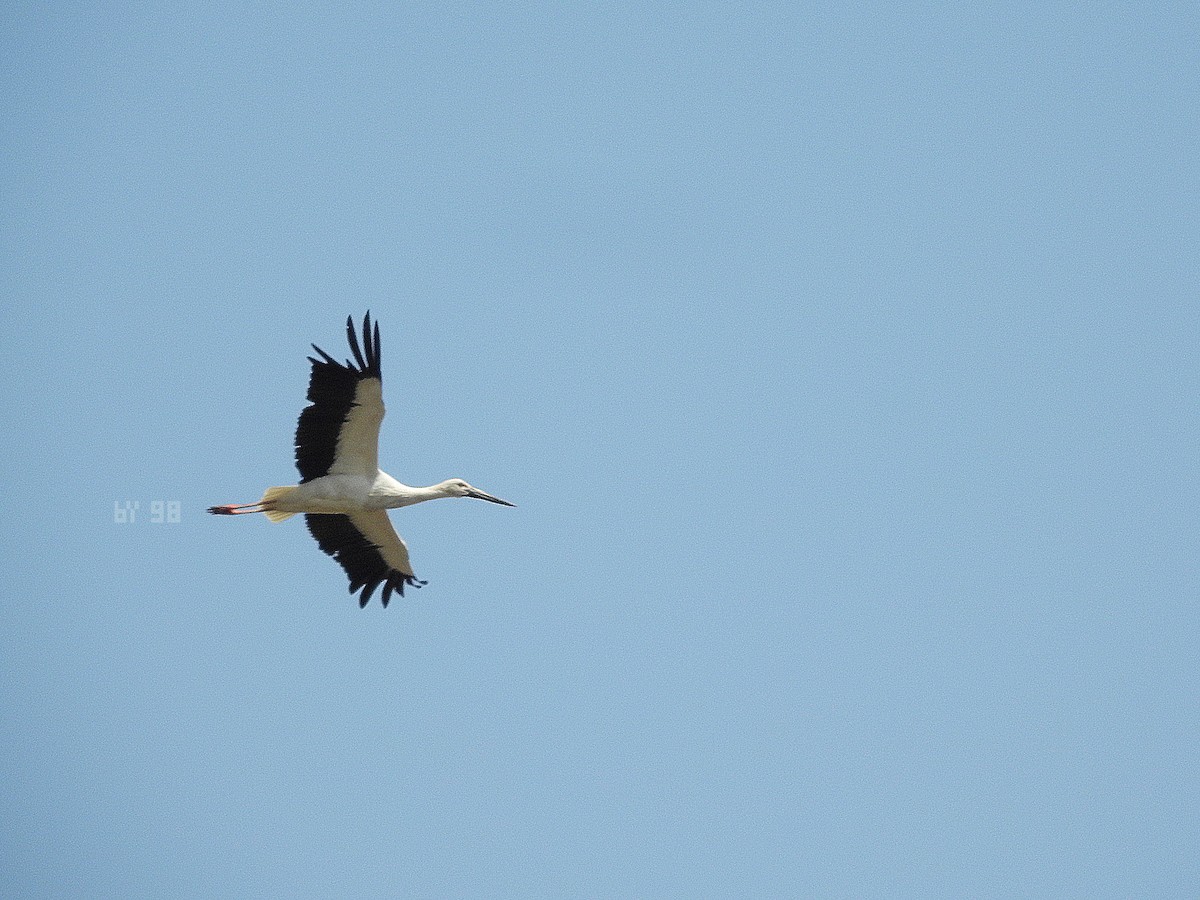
(357, 450)
(377, 528)
(343, 493)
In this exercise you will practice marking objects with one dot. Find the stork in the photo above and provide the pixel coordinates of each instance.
(343, 493)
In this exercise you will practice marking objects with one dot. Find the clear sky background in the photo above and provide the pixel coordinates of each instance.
(842, 362)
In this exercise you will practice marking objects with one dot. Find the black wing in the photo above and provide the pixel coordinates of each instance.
(368, 548)
(339, 432)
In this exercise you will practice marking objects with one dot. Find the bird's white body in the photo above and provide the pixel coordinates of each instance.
(356, 493)
(343, 493)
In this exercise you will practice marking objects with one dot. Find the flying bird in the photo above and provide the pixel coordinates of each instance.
(343, 493)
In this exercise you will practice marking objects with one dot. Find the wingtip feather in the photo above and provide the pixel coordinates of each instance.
(325, 356)
(352, 337)
(367, 592)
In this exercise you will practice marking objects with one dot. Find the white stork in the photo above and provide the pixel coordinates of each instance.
(343, 493)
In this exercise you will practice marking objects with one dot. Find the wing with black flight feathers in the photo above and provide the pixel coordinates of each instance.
(339, 432)
(368, 548)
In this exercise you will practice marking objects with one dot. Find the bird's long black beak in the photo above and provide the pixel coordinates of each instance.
(480, 495)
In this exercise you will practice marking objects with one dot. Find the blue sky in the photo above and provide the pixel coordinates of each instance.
(841, 360)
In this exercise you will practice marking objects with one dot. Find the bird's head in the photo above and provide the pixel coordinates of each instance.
(456, 487)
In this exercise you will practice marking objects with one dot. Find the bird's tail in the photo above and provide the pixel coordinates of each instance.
(272, 494)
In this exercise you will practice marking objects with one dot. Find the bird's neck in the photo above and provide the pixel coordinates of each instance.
(406, 495)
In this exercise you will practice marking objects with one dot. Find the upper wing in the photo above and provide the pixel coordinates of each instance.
(339, 433)
(368, 548)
